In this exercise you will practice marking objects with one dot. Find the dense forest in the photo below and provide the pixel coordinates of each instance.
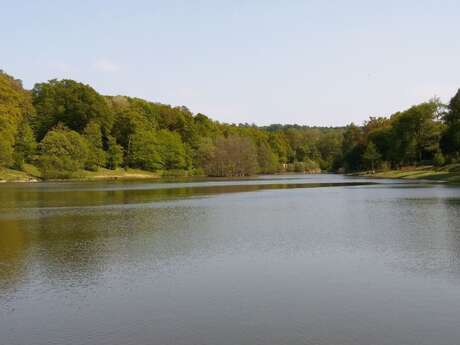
(63, 126)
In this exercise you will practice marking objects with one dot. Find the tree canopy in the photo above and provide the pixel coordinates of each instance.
(63, 126)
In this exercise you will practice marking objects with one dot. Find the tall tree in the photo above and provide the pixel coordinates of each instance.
(371, 154)
(143, 151)
(171, 150)
(96, 155)
(25, 145)
(15, 108)
(267, 160)
(71, 103)
(233, 156)
(450, 141)
(62, 153)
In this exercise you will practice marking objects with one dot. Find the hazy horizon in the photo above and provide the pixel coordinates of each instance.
(305, 62)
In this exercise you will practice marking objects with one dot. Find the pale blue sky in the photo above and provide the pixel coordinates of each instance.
(307, 62)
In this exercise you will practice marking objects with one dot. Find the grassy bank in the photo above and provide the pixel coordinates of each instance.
(117, 174)
(32, 174)
(10, 175)
(448, 173)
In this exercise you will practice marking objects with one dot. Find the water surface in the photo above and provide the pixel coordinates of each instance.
(298, 259)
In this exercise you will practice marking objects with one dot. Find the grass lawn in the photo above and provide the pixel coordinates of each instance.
(126, 174)
(30, 173)
(448, 173)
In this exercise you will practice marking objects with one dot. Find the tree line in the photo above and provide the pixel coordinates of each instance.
(63, 127)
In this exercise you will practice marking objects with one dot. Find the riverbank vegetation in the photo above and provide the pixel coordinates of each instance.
(65, 129)
(447, 173)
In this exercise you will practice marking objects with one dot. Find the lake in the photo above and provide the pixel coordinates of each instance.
(289, 259)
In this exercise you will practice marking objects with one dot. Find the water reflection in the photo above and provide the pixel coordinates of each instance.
(14, 244)
(60, 196)
(195, 264)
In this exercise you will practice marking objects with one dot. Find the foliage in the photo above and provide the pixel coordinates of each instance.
(450, 141)
(15, 109)
(267, 159)
(71, 103)
(77, 128)
(416, 133)
(25, 145)
(439, 159)
(114, 153)
(172, 150)
(143, 151)
(96, 155)
(62, 153)
(311, 166)
(232, 156)
(371, 154)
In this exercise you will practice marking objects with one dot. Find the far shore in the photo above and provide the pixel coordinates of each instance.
(32, 175)
(447, 174)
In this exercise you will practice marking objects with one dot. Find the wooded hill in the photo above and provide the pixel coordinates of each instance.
(63, 126)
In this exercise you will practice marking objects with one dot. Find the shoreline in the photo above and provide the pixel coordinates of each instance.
(16, 176)
(446, 174)
(120, 174)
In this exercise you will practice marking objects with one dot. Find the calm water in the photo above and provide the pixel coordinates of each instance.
(274, 260)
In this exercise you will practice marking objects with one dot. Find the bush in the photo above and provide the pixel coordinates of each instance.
(175, 173)
(114, 154)
(232, 156)
(311, 166)
(96, 155)
(62, 153)
(439, 159)
(6, 151)
(25, 146)
(171, 150)
(299, 167)
(143, 151)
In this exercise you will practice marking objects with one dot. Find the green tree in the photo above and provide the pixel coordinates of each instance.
(204, 154)
(96, 156)
(233, 156)
(6, 148)
(416, 133)
(352, 147)
(280, 146)
(114, 153)
(329, 147)
(15, 108)
(25, 146)
(62, 153)
(453, 114)
(171, 150)
(450, 141)
(127, 122)
(439, 159)
(266, 158)
(143, 151)
(71, 103)
(371, 154)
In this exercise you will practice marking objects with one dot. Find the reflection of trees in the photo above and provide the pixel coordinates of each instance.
(14, 243)
(453, 233)
(78, 245)
(425, 235)
(70, 247)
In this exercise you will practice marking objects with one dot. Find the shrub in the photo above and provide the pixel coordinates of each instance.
(311, 166)
(299, 167)
(439, 159)
(62, 153)
(143, 151)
